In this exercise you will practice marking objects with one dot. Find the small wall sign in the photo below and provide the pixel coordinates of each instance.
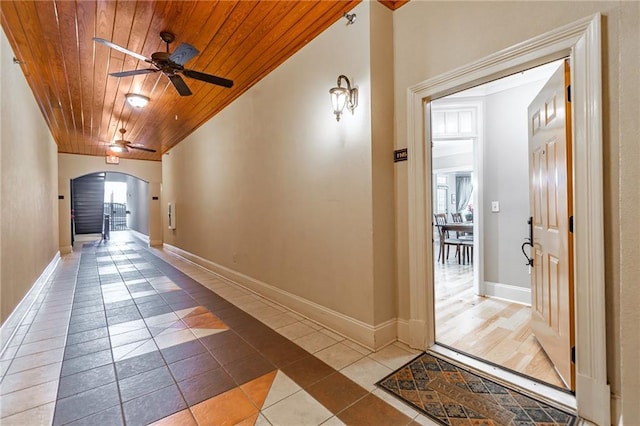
(112, 159)
(400, 155)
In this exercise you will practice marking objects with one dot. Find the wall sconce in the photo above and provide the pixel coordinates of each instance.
(137, 101)
(343, 96)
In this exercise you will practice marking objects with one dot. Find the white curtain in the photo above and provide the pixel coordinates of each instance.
(464, 188)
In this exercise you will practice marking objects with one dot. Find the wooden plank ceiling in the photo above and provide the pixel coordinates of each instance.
(85, 107)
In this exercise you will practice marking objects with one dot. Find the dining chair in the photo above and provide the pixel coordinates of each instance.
(440, 219)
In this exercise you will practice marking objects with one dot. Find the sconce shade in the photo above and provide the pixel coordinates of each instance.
(339, 97)
(343, 96)
(136, 100)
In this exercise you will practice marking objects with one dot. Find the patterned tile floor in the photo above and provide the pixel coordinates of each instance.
(123, 334)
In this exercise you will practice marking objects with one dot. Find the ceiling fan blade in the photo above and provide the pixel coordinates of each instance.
(208, 78)
(120, 49)
(183, 53)
(133, 72)
(180, 85)
(142, 148)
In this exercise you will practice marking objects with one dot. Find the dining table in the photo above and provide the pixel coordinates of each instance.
(464, 227)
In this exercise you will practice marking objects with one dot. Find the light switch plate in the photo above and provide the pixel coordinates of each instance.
(495, 206)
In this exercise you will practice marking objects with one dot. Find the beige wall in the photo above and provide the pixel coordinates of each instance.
(71, 166)
(28, 191)
(275, 189)
(435, 37)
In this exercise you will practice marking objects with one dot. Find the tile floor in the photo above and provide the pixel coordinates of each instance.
(124, 334)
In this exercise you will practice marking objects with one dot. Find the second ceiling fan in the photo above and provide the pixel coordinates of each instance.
(170, 64)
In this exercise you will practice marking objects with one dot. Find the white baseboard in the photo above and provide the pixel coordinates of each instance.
(403, 331)
(372, 337)
(11, 325)
(508, 292)
(87, 237)
(139, 235)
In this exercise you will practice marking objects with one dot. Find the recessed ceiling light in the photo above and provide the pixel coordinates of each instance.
(135, 100)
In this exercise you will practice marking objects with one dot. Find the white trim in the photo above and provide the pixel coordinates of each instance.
(372, 337)
(582, 41)
(139, 235)
(508, 292)
(13, 322)
(65, 249)
(403, 331)
(616, 410)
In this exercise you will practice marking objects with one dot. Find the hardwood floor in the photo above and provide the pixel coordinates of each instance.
(492, 329)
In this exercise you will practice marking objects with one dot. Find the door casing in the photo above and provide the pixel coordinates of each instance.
(581, 41)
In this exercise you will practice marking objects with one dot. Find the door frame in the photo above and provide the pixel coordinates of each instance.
(581, 41)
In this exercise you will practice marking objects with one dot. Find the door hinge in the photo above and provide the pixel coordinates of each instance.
(573, 354)
(571, 224)
(569, 93)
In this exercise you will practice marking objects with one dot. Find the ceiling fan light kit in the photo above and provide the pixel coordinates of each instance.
(118, 148)
(137, 100)
(170, 64)
(122, 145)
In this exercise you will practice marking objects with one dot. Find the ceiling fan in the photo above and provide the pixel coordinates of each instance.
(170, 64)
(122, 145)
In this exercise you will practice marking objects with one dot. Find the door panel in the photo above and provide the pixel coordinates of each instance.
(88, 203)
(551, 200)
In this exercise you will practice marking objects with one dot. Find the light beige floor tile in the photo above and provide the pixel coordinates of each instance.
(262, 421)
(204, 332)
(281, 388)
(314, 342)
(366, 372)
(35, 360)
(392, 356)
(339, 355)
(126, 327)
(295, 331)
(130, 337)
(333, 421)
(48, 325)
(41, 346)
(161, 319)
(28, 378)
(149, 346)
(172, 339)
(4, 366)
(48, 316)
(10, 352)
(280, 320)
(120, 352)
(299, 409)
(334, 336)
(312, 324)
(34, 336)
(357, 347)
(39, 416)
(27, 399)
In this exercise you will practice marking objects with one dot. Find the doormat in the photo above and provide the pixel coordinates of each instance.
(454, 396)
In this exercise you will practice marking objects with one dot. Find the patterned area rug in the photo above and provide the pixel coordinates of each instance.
(454, 396)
